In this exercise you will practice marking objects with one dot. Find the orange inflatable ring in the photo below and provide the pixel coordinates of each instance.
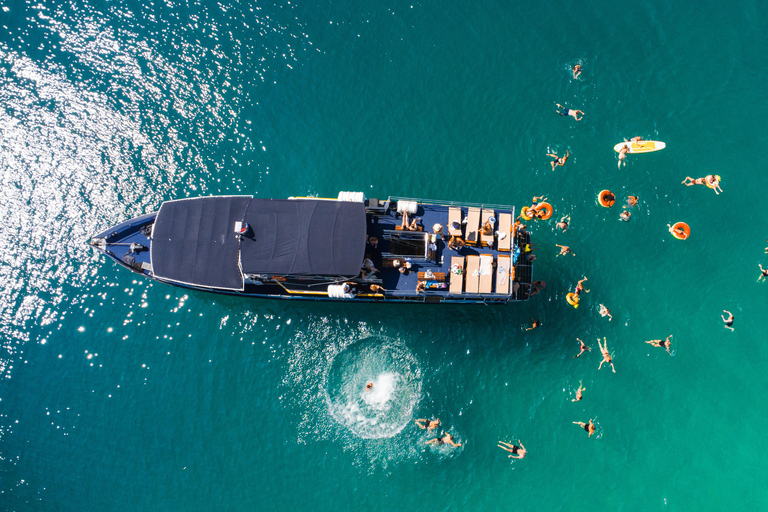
(681, 230)
(606, 198)
(546, 208)
(572, 299)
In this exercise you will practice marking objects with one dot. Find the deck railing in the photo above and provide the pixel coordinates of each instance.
(455, 203)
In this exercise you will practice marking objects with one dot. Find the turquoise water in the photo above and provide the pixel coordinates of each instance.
(120, 394)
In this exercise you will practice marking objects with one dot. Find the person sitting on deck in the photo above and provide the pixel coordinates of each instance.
(487, 228)
(456, 243)
(422, 286)
(410, 226)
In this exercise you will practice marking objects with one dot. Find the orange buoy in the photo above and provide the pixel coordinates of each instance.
(606, 198)
(546, 208)
(680, 230)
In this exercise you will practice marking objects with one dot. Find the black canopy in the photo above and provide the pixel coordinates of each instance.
(194, 241)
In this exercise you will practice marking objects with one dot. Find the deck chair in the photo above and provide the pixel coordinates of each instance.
(505, 226)
(472, 275)
(502, 274)
(456, 284)
(486, 273)
(487, 240)
(454, 214)
(473, 225)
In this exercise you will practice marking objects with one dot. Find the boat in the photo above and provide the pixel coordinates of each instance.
(351, 248)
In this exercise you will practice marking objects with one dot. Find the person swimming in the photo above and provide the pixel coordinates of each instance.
(606, 355)
(564, 249)
(518, 452)
(604, 311)
(559, 160)
(563, 224)
(446, 439)
(728, 321)
(625, 215)
(426, 424)
(710, 180)
(662, 344)
(569, 112)
(576, 70)
(579, 391)
(589, 427)
(582, 348)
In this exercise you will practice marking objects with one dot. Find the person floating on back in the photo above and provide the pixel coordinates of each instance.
(568, 112)
(604, 311)
(606, 355)
(518, 452)
(579, 396)
(582, 348)
(711, 181)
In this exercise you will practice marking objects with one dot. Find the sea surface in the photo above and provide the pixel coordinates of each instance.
(120, 394)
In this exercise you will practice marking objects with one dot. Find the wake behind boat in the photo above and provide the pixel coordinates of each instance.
(350, 248)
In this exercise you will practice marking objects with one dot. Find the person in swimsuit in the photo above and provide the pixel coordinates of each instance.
(426, 424)
(559, 160)
(409, 226)
(579, 395)
(709, 180)
(763, 273)
(536, 287)
(563, 224)
(536, 323)
(604, 311)
(580, 288)
(568, 112)
(576, 70)
(631, 201)
(456, 243)
(728, 321)
(369, 386)
(564, 249)
(662, 344)
(446, 439)
(606, 355)
(625, 215)
(589, 427)
(486, 228)
(518, 452)
(623, 154)
(582, 348)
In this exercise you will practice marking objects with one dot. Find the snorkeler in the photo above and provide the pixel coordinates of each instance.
(518, 452)
(568, 112)
(662, 344)
(564, 249)
(604, 311)
(589, 427)
(606, 355)
(426, 424)
(579, 395)
(446, 439)
(728, 321)
(582, 348)
(563, 224)
(559, 160)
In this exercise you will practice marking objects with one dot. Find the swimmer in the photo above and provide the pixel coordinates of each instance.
(559, 160)
(538, 199)
(568, 112)
(606, 355)
(536, 323)
(763, 273)
(677, 232)
(446, 439)
(369, 386)
(623, 154)
(604, 311)
(531, 213)
(625, 215)
(579, 396)
(766, 249)
(728, 321)
(582, 348)
(580, 287)
(589, 427)
(518, 452)
(531, 257)
(409, 226)
(563, 224)
(564, 249)
(576, 70)
(426, 424)
(636, 139)
(661, 344)
(632, 201)
(712, 181)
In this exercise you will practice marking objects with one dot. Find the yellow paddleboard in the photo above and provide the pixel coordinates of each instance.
(641, 146)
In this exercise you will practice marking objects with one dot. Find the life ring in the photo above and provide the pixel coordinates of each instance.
(606, 198)
(572, 299)
(708, 184)
(547, 210)
(681, 230)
